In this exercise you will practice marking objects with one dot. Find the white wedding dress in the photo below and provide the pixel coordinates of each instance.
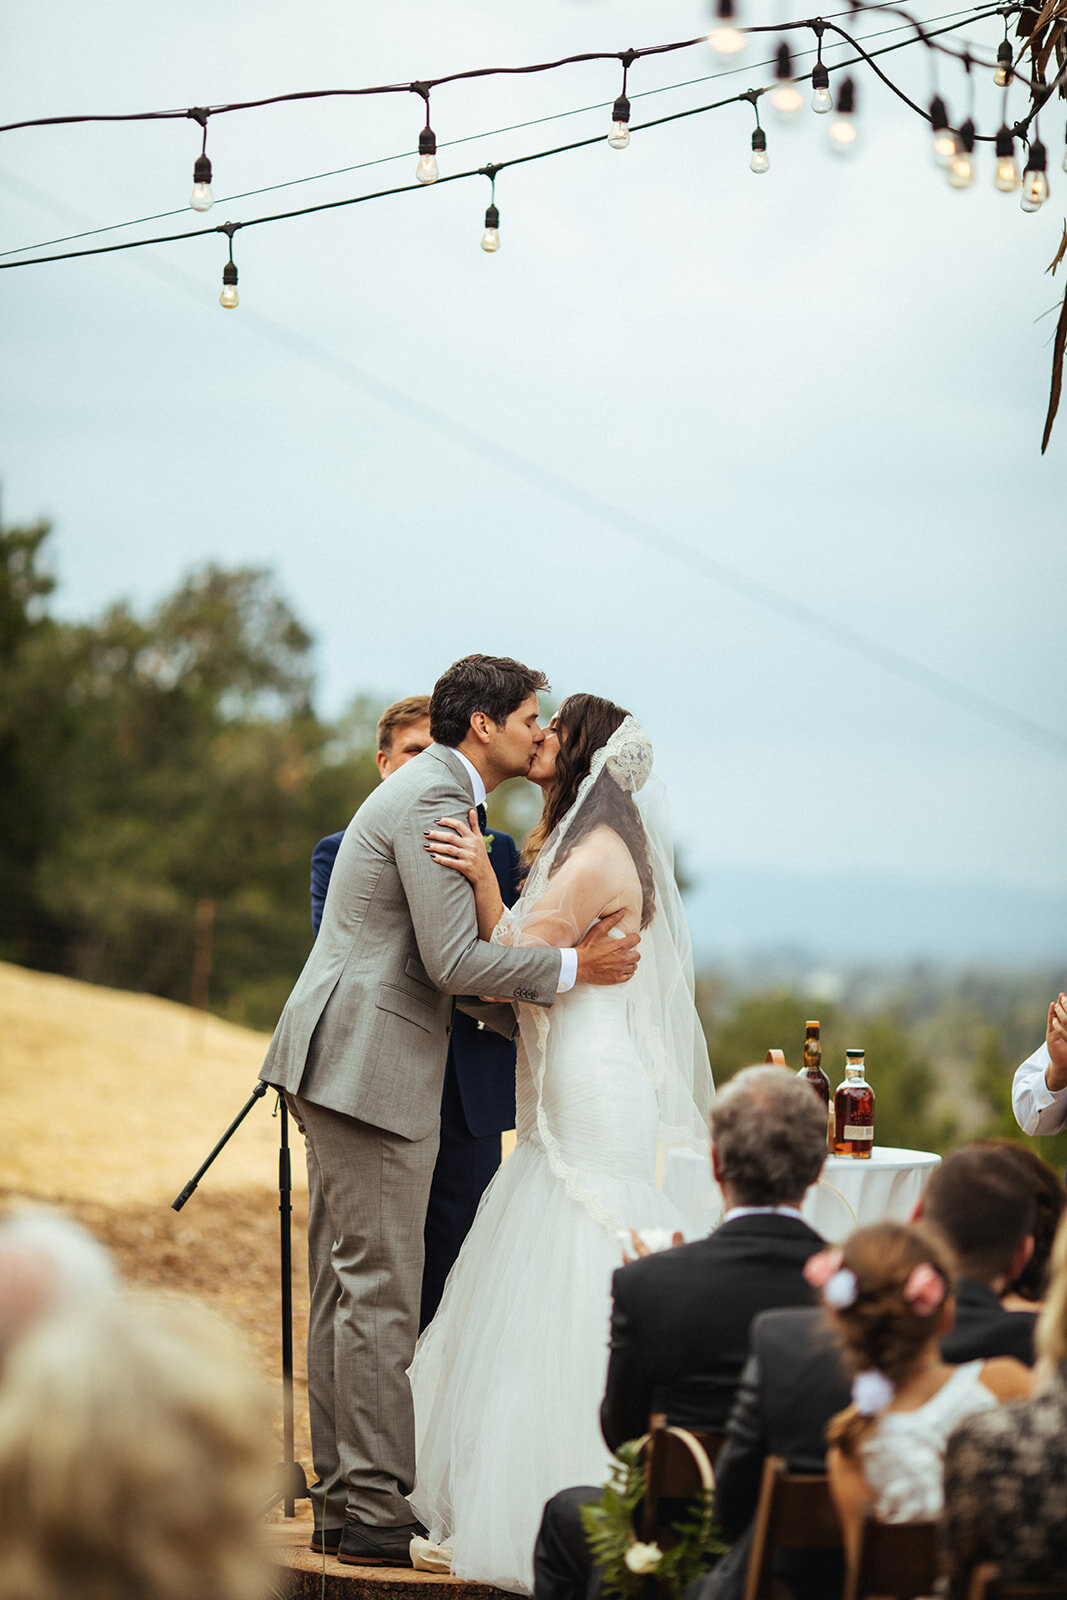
(507, 1379)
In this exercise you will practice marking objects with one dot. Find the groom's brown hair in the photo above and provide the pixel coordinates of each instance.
(494, 685)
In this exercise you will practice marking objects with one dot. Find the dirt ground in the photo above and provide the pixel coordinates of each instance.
(109, 1102)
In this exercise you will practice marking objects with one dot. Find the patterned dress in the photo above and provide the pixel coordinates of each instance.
(1006, 1489)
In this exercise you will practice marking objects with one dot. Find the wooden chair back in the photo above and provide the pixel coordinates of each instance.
(794, 1512)
(987, 1584)
(897, 1559)
(680, 1461)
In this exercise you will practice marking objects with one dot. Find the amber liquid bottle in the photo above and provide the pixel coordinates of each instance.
(811, 1072)
(854, 1111)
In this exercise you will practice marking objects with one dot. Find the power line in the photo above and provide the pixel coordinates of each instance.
(754, 590)
(957, 17)
(230, 228)
(788, 606)
(423, 87)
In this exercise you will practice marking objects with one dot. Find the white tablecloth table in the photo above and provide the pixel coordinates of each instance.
(850, 1194)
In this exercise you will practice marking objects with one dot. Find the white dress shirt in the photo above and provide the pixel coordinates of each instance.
(1038, 1109)
(568, 959)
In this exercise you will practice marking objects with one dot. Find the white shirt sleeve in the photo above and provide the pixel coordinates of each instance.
(1038, 1109)
(568, 972)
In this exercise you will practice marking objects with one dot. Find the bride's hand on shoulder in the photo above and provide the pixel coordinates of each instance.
(458, 844)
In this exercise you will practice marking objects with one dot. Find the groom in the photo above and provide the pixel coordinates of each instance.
(360, 1052)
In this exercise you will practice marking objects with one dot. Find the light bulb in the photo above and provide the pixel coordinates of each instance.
(1006, 176)
(785, 97)
(726, 43)
(619, 137)
(821, 99)
(787, 100)
(843, 127)
(1035, 180)
(726, 39)
(759, 161)
(202, 198)
(491, 236)
(945, 145)
(961, 167)
(1003, 74)
(843, 135)
(427, 170)
(228, 297)
(1035, 191)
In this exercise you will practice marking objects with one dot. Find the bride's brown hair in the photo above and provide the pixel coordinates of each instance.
(585, 723)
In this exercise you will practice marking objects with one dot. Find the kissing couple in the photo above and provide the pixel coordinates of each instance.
(499, 1408)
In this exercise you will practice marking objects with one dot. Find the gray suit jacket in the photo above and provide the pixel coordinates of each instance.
(365, 1030)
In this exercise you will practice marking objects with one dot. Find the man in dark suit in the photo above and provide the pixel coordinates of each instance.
(794, 1381)
(478, 1101)
(681, 1319)
(984, 1205)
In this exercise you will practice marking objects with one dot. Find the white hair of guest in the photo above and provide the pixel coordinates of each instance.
(47, 1262)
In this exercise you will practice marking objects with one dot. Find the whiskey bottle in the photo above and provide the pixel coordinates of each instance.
(854, 1111)
(811, 1072)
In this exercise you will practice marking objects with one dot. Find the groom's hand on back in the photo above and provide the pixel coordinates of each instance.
(604, 957)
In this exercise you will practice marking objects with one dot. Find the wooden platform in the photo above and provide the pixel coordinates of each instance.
(307, 1576)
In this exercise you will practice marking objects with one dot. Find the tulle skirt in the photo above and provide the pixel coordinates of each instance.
(508, 1378)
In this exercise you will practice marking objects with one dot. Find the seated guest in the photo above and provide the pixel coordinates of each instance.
(984, 1206)
(1005, 1469)
(1039, 1088)
(889, 1295)
(135, 1456)
(793, 1382)
(681, 1319)
(47, 1262)
(1027, 1291)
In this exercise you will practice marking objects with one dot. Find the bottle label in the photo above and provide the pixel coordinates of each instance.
(853, 1131)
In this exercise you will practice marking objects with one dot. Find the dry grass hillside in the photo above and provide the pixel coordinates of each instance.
(108, 1104)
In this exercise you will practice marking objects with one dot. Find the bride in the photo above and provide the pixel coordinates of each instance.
(508, 1377)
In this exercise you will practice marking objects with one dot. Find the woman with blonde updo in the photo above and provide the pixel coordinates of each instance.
(889, 1294)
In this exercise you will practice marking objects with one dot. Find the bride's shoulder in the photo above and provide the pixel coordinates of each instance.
(602, 841)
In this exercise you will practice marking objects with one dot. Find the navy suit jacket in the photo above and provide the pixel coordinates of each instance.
(483, 1061)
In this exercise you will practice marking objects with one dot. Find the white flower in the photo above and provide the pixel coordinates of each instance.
(643, 1558)
(840, 1292)
(871, 1392)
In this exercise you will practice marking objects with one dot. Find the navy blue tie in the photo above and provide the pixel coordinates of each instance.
(482, 821)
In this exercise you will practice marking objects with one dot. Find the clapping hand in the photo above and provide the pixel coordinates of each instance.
(1056, 1040)
(647, 1241)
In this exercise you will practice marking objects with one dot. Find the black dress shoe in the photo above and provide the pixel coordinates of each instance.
(365, 1546)
(325, 1541)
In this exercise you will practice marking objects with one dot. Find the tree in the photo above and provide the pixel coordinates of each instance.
(162, 767)
(31, 723)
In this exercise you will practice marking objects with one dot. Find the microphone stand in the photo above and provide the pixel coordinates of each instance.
(291, 1474)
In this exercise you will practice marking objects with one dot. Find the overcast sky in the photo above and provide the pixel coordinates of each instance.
(720, 446)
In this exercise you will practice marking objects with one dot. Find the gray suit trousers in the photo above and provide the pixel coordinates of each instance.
(370, 1189)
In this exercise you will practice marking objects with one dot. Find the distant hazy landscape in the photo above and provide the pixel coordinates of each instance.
(791, 920)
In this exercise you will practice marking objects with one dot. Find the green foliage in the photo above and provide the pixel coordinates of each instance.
(902, 1076)
(609, 1527)
(156, 765)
